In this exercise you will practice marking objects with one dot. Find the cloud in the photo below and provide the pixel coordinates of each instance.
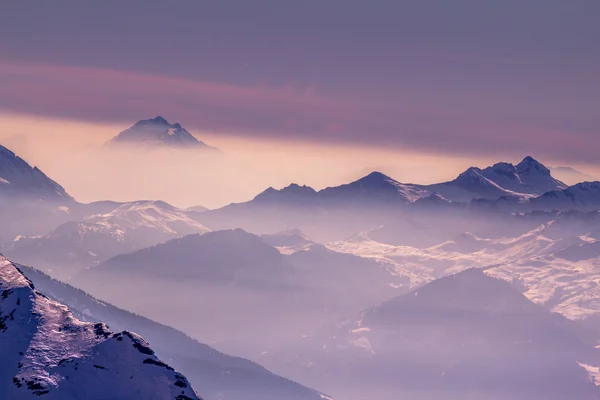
(504, 126)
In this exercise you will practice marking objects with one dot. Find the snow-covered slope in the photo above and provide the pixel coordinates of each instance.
(70, 247)
(375, 187)
(537, 177)
(581, 196)
(469, 185)
(77, 245)
(158, 132)
(522, 181)
(555, 255)
(47, 352)
(18, 179)
(529, 177)
(329, 214)
(219, 375)
(152, 217)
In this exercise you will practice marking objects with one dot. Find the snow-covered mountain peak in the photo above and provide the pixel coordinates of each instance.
(504, 166)
(527, 177)
(158, 131)
(473, 177)
(586, 187)
(375, 186)
(47, 352)
(531, 165)
(502, 170)
(375, 178)
(471, 172)
(150, 215)
(537, 176)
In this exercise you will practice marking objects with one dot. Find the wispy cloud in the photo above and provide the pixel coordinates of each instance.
(292, 112)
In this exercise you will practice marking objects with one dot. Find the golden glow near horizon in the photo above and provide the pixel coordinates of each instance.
(69, 152)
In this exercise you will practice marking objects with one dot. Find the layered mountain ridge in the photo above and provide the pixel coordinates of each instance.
(525, 180)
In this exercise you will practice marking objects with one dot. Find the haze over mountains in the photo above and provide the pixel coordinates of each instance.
(571, 175)
(97, 237)
(309, 200)
(370, 289)
(323, 214)
(220, 376)
(435, 341)
(20, 180)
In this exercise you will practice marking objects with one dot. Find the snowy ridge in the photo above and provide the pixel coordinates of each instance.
(584, 195)
(47, 352)
(472, 184)
(76, 245)
(155, 215)
(522, 182)
(376, 186)
(19, 179)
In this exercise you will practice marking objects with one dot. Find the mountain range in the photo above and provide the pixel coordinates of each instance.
(437, 340)
(254, 280)
(76, 245)
(571, 175)
(336, 212)
(460, 289)
(523, 182)
(219, 375)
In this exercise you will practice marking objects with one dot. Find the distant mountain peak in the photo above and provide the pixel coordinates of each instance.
(571, 175)
(292, 192)
(375, 186)
(471, 172)
(376, 178)
(160, 119)
(473, 177)
(530, 164)
(158, 131)
(504, 168)
(376, 175)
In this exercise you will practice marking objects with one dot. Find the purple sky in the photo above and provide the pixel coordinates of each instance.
(509, 77)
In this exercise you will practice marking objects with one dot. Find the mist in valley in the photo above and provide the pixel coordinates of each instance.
(315, 200)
